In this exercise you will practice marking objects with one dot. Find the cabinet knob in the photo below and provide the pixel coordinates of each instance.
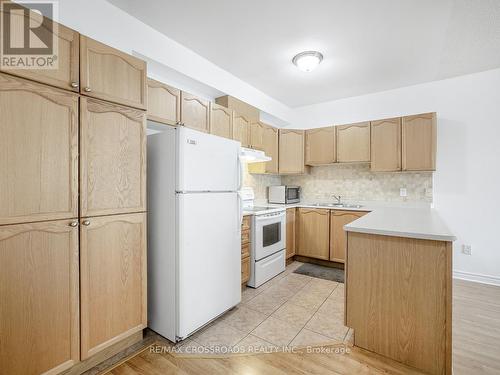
(74, 85)
(86, 222)
(73, 224)
(87, 89)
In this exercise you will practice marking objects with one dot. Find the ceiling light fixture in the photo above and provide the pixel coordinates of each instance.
(308, 60)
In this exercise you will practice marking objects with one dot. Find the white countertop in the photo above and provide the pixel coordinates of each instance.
(391, 219)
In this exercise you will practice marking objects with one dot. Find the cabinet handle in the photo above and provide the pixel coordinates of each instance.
(87, 89)
(73, 224)
(74, 85)
(86, 223)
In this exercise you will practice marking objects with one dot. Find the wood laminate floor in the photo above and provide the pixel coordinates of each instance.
(476, 349)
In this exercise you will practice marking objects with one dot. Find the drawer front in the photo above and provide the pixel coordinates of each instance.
(245, 236)
(267, 268)
(246, 222)
(245, 270)
(245, 250)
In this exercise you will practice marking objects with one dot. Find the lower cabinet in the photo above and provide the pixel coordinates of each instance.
(245, 270)
(338, 237)
(39, 320)
(245, 248)
(313, 227)
(113, 280)
(290, 232)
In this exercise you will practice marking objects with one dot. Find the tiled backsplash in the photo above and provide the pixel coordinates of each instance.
(351, 181)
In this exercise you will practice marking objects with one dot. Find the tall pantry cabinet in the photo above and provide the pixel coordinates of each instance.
(72, 211)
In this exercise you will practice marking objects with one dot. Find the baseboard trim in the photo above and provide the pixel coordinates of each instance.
(477, 278)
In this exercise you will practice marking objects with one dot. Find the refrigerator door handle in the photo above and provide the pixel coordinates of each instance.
(240, 210)
(240, 173)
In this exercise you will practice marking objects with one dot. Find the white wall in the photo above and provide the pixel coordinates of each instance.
(467, 181)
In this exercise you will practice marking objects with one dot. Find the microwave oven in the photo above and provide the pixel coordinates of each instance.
(284, 194)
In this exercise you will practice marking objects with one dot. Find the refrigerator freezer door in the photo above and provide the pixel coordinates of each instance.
(206, 162)
(209, 258)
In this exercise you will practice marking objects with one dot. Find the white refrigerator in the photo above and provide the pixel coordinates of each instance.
(194, 229)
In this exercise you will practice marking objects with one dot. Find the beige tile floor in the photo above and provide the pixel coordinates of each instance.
(289, 310)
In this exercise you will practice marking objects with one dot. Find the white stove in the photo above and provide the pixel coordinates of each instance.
(268, 239)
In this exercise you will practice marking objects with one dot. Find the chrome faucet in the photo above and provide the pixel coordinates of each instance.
(337, 198)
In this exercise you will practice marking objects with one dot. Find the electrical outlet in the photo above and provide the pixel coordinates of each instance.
(403, 192)
(467, 249)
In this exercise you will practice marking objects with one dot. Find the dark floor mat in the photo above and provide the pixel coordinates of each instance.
(321, 272)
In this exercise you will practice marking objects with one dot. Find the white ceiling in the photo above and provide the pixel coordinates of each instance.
(368, 45)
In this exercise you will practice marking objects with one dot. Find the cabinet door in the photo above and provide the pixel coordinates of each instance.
(320, 146)
(353, 143)
(257, 135)
(386, 145)
(112, 158)
(241, 130)
(164, 103)
(245, 270)
(221, 123)
(291, 151)
(290, 232)
(112, 75)
(419, 142)
(39, 152)
(270, 140)
(65, 70)
(314, 233)
(39, 314)
(195, 112)
(338, 237)
(113, 280)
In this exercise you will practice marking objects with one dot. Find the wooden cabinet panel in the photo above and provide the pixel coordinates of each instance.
(109, 74)
(419, 142)
(386, 145)
(313, 233)
(257, 135)
(39, 314)
(270, 140)
(246, 222)
(251, 113)
(39, 146)
(65, 71)
(112, 159)
(320, 146)
(113, 280)
(290, 232)
(241, 130)
(245, 270)
(221, 123)
(164, 103)
(291, 151)
(245, 250)
(338, 237)
(245, 236)
(353, 142)
(195, 112)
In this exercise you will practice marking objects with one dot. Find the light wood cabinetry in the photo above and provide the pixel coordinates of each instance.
(338, 237)
(257, 135)
(386, 145)
(291, 151)
(250, 112)
(39, 143)
(353, 143)
(195, 112)
(241, 129)
(112, 159)
(270, 145)
(113, 280)
(39, 313)
(164, 103)
(290, 232)
(221, 122)
(245, 270)
(419, 142)
(313, 236)
(245, 248)
(109, 74)
(66, 72)
(320, 146)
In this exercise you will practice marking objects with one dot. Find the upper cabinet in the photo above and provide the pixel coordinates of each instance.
(39, 143)
(353, 143)
(386, 145)
(257, 135)
(164, 103)
(112, 158)
(109, 74)
(195, 112)
(241, 129)
(249, 112)
(291, 151)
(419, 142)
(221, 122)
(320, 146)
(270, 140)
(65, 74)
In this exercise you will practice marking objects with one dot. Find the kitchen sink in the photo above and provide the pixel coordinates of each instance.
(336, 205)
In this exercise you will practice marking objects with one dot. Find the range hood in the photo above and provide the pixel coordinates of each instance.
(249, 155)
